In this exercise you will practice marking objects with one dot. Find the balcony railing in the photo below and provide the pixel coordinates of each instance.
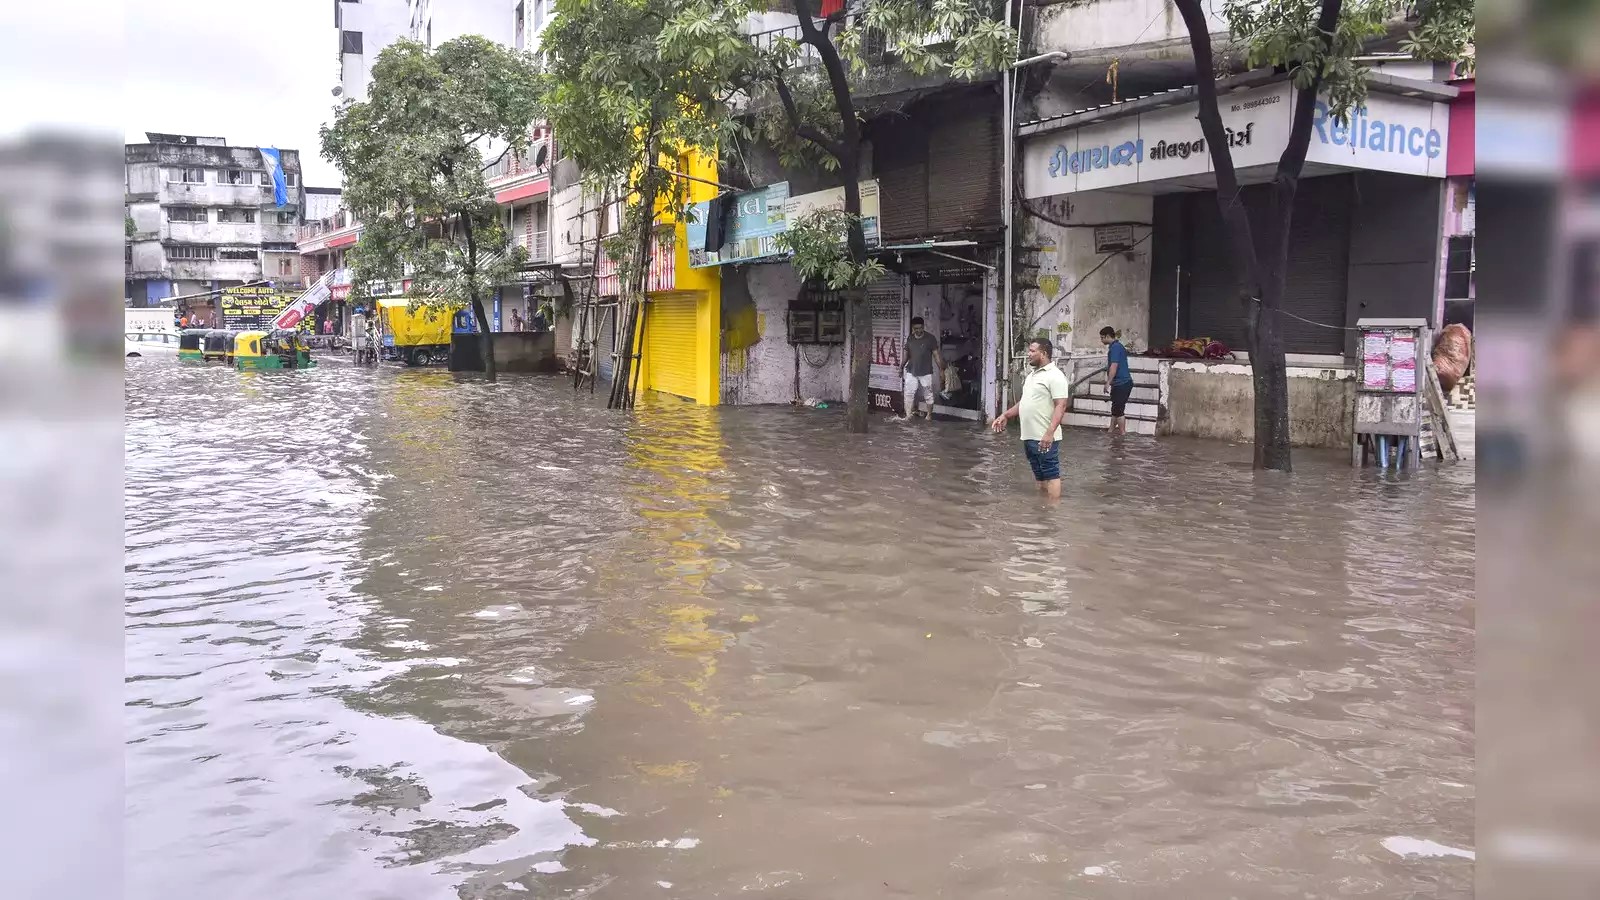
(319, 227)
(874, 47)
(538, 246)
(510, 165)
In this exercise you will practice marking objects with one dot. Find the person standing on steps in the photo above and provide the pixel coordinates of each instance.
(922, 359)
(1039, 410)
(1118, 377)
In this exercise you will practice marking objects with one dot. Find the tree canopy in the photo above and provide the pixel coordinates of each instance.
(412, 156)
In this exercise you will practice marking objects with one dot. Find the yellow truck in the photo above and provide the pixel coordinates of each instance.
(416, 338)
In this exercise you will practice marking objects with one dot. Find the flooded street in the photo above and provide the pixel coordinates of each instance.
(395, 635)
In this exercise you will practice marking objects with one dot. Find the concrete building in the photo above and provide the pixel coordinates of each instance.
(322, 202)
(435, 21)
(203, 217)
(364, 28)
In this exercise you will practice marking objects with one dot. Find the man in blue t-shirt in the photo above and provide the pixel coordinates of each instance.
(1118, 376)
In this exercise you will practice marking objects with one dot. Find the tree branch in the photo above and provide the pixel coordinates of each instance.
(801, 129)
(1293, 160)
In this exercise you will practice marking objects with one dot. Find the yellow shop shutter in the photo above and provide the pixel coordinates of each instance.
(670, 343)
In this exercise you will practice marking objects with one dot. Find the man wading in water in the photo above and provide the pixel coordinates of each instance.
(1040, 409)
(922, 360)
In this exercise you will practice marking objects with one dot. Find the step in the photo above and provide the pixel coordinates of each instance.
(1133, 410)
(1150, 394)
(1091, 420)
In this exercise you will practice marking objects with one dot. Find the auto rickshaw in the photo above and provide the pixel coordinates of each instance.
(283, 348)
(217, 346)
(191, 345)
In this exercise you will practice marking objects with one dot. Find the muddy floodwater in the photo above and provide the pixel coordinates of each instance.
(394, 634)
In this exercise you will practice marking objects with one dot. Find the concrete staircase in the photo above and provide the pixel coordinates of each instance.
(1091, 402)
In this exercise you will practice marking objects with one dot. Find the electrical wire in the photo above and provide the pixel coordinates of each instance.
(1084, 280)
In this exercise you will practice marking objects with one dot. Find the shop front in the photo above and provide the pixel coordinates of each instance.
(784, 339)
(679, 334)
(1135, 181)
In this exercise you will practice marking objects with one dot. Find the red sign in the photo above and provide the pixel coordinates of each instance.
(534, 188)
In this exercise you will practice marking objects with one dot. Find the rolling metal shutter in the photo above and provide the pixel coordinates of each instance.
(1319, 258)
(563, 330)
(606, 343)
(964, 168)
(670, 344)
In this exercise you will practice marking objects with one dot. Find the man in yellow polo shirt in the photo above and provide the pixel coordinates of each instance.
(1039, 410)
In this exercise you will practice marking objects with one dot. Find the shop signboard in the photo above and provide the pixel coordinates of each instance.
(803, 205)
(752, 224)
(252, 307)
(1388, 134)
(756, 218)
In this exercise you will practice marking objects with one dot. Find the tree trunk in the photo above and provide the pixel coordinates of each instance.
(1261, 275)
(485, 337)
(859, 410)
(847, 150)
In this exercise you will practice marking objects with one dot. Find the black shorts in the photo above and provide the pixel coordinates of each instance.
(1119, 398)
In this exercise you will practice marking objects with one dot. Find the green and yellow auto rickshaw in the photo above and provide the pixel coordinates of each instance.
(283, 348)
(192, 345)
(217, 346)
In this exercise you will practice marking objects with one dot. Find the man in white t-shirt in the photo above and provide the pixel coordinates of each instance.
(1040, 409)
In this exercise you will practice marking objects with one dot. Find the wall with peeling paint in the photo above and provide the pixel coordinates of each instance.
(1073, 299)
(759, 365)
(1217, 400)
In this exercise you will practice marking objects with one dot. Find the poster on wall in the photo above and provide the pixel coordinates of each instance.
(887, 299)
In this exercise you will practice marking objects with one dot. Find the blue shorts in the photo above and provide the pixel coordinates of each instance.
(1046, 465)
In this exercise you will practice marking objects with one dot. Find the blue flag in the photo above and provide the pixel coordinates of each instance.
(280, 185)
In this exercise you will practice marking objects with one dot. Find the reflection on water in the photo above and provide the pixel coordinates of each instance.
(391, 634)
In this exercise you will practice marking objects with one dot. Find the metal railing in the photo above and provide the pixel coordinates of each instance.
(875, 46)
(537, 244)
(512, 164)
(337, 222)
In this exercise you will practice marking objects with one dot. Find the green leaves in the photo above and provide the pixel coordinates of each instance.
(818, 243)
(1284, 33)
(412, 159)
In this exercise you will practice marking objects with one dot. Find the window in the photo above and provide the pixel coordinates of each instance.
(285, 267)
(538, 15)
(235, 176)
(350, 42)
(521, 25)
(286, 218)
(239, 255)
(185, 251)
(187, 176)
(186, 214)
(289, 178)
(237, 216)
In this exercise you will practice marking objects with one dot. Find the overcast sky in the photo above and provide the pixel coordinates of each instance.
(257, 73)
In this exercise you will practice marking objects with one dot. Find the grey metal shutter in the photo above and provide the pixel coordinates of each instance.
(1213, 304)
(606, 344)
(1315, 289)
(1319, 265)
(964, 168)
(900, 163)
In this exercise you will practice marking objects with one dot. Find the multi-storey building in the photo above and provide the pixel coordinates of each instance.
(202, 217)
(433, 22)
(365, 27)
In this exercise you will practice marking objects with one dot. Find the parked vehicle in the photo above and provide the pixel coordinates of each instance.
(150, 343)
(416, 338)
(217, 346)
(283, 348)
